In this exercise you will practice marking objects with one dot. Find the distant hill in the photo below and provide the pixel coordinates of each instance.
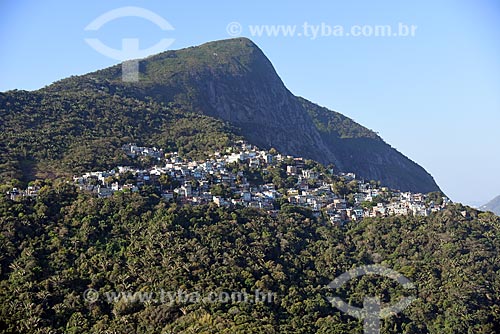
(493, 206)
(190, 100)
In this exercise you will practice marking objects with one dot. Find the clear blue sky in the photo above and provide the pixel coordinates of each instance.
(435, 97)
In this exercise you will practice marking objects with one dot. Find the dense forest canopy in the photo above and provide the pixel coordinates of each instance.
(64, 133)
(62, 243)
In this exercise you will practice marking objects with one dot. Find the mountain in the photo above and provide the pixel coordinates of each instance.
(228, 84)
(493, 206)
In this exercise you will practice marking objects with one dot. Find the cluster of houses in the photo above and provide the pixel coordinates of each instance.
(133, 151)
(16, 194)
(220, 179)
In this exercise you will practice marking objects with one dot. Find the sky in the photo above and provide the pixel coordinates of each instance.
(434, 95)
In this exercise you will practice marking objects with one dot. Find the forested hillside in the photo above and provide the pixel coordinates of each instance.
(62, 243)
(64, 133)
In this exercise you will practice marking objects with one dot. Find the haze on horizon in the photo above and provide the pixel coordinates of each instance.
(433, 96)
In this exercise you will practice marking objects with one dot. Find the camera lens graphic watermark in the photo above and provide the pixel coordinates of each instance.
(371, 313)
(130, 51)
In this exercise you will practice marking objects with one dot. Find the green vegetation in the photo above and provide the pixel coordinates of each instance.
(360, 149)
(55, 134)
(63, 242)
(336, 124)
